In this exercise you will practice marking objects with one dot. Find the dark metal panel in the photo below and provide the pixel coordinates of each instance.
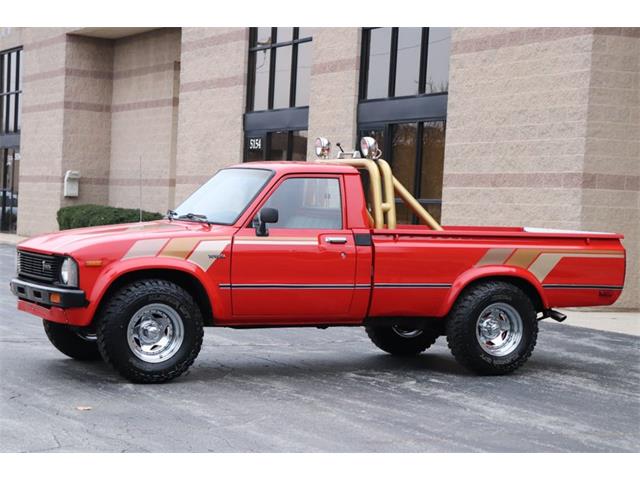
(10, 140)
(276, 120)
(400, 110)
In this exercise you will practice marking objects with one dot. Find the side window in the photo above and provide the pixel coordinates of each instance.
(308, 203)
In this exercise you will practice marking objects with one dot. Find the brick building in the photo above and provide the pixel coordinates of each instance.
(501, 126)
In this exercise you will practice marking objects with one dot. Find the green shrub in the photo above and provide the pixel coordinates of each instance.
(78, 216)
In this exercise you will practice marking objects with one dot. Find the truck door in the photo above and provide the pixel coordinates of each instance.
(305, 267)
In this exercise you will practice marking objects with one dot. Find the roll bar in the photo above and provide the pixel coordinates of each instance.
(383, 183)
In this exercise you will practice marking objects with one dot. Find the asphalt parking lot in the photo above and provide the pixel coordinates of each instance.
(309, 390)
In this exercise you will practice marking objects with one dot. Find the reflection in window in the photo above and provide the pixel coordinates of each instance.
(403, 163)
(438, 60)
(379, 55)
(303, 75)
(278, 143)
(416, 155)
(312, 203)
(408, 62)
(279, 68)
(282, 79)
(404, 61)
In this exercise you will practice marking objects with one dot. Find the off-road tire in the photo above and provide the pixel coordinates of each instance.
(113, 320)
(69, 340)
(462, 323)
(386, 339)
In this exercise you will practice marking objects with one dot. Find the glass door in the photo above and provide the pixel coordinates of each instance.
(9, 172)
(415, 152)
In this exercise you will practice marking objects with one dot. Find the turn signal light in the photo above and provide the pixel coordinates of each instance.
(93, 263)
(55, 298)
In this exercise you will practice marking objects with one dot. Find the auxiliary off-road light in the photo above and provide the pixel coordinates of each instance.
(323, 147)
(369, 147)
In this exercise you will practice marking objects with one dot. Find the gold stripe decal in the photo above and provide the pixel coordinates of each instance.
(179, 247)
(539, 262)
(546, 262)
(495, 256)
(145, 248)
(208, 252)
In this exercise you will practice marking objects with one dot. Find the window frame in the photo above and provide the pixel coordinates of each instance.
(281, 180)
(393, 64)
(272, 48)
(387, 130)
(5, 96)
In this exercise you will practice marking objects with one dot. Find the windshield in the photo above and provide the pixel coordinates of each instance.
(223, 198)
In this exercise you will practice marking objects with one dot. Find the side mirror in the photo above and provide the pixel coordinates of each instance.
(266, 215)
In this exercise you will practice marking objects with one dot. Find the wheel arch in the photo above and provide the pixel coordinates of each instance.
(517, 277)
(184, 279)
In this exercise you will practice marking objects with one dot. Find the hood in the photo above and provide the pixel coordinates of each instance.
(68, 242)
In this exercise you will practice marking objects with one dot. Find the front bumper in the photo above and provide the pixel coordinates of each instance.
(41, 294)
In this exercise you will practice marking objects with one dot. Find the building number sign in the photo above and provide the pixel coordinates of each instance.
(255, 143)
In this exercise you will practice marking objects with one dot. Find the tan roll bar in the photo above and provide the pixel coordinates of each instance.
(382, 180)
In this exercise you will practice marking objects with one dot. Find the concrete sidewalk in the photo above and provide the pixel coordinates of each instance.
(10, 238)
(605, 320)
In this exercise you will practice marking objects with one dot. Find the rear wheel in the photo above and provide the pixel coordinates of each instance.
(77, 343)
(401, 341)
(492, 329)
(150, 331)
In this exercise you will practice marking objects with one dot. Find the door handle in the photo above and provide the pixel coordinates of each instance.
(336, 240)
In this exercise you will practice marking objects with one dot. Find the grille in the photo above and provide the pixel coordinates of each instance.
(39, 266)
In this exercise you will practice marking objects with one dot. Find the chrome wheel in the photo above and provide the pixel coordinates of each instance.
(406, 333)
(155, 333)
(499, 329)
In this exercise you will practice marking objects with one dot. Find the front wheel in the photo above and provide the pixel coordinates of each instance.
(492, 329)
(150, 331)
(76, 343)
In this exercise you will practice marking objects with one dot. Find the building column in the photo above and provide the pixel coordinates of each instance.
(543, 130)
(212, 103)
(41, 149)
(334, 87)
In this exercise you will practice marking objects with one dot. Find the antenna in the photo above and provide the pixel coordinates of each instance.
(140, 191)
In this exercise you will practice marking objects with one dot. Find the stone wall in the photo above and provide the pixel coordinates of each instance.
(212, 103)
(542, 130)
(144, 110)
(333, 92)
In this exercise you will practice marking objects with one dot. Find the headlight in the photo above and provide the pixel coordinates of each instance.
(69, 272)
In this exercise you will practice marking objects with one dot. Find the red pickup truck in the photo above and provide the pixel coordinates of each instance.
(283, 244)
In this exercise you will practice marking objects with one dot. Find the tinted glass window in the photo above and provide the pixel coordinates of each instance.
(408, 61)
(303, 75)
(262, 62)
(403, 162)
(279, 68)
(263, 36)
(438, 54)
(282, 80)
(312, 203)
(299, 146)
(418, 59)
(278, 142)
(378, 70)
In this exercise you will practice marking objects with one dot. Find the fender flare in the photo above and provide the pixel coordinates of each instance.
(488, 272)
(116, 270)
